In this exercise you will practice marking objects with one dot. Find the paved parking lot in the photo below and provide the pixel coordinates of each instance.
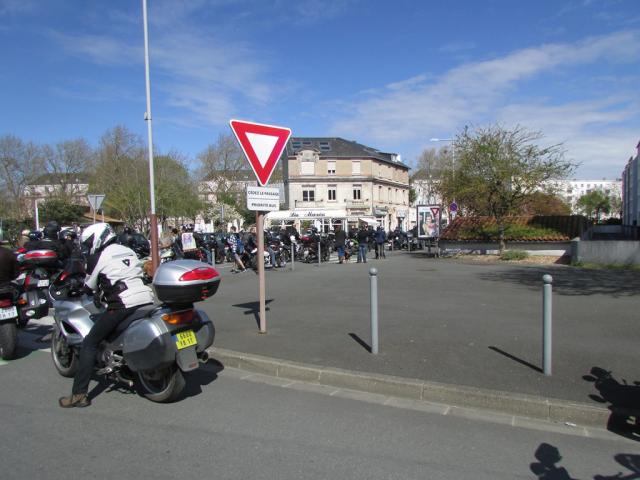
(441, 320)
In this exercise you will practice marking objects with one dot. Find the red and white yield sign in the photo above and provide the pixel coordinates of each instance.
(262, 145)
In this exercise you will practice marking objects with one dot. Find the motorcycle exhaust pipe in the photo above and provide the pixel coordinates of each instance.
(203, 357)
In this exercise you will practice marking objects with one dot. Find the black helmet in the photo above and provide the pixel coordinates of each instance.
(68, 233)
(35, 235)
(51, 230)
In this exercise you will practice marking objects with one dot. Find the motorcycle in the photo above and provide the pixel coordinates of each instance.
(37, 266)
(154, 346)
(8, 321)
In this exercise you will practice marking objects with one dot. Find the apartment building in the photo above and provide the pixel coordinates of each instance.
(631, 191)
(74, 185)
(572, 190)
(333, 180)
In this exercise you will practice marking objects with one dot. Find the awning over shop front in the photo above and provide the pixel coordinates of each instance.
(305, 214)
(371, 220)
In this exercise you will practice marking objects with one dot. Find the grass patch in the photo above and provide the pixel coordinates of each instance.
(514, 255)
(511, 233)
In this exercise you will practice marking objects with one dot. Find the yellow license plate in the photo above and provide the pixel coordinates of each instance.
(185, 339)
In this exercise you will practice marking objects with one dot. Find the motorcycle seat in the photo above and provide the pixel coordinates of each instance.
(142, 312)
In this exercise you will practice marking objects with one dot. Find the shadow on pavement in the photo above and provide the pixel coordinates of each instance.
(206, 374)
(623, 400)
(516, 359)
(30, 339)
(548, 456)
(545, 468)
(572, 281)
(253, 308)
(628, 461)
(361, 342)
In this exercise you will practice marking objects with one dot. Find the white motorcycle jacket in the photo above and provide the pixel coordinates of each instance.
(117, 273)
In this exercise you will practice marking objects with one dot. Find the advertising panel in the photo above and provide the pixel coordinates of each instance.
(428, 221)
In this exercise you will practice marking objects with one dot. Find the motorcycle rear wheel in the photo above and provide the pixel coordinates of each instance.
(161, 386)
(8, 340)
(64, 357)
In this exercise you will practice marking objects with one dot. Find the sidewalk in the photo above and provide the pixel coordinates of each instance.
(463, 334)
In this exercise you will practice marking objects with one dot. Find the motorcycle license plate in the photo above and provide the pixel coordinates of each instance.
(8, 313)
(185, 339)
(43, 283)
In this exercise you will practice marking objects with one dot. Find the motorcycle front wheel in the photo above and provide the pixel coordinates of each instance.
(64, 357)
(163, 385)
(8, 340)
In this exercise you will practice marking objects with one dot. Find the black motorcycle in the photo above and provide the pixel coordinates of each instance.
(8, 320)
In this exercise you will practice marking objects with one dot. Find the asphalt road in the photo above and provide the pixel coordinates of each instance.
(232, 427)
(478, 325)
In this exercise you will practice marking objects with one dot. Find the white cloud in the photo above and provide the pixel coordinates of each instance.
(407, 112)
(192, 71)
(12, 7)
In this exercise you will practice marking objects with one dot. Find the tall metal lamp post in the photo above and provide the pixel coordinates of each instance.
(453, 150)
(155, 260)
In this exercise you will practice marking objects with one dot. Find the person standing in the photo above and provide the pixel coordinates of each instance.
(380, 237)
(340, 239)
(363, 239)
(232, 240)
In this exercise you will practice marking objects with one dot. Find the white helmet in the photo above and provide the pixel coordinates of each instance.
(97, 236)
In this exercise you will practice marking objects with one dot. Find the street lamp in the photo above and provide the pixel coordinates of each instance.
(155, 259)
(453, 149)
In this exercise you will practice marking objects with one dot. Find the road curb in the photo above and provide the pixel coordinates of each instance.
(554, 410)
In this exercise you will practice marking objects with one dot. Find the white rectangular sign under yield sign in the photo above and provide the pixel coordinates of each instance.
(263, 199)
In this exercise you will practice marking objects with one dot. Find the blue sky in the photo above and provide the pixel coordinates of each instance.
(389, 74)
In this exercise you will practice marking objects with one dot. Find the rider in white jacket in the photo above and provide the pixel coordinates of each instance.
(116, 275)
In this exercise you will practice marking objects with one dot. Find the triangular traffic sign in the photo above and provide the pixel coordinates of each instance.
(262, 145)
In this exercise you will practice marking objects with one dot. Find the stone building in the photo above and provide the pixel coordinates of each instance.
(333, 180)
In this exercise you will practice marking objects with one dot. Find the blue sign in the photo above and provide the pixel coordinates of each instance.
(453, 207)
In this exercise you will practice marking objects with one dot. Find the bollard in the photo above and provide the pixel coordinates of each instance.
(319, 252)
(293, 256)
(546, 324)
(373, 280)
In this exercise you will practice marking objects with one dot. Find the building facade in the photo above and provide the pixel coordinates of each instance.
(571, 191)
(630, 191)
(74, 186)
(339, 181)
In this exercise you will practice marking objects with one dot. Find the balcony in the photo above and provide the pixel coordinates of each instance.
(314, 204)
(358, 203)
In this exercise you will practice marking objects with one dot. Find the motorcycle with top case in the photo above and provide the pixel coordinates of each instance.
(155, 345)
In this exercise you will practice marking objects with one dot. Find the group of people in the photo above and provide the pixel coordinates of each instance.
(363, 235)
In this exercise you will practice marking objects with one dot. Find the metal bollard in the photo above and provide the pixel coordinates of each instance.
(319, 256)
(293, 256)
(546, 324)
(373, 280)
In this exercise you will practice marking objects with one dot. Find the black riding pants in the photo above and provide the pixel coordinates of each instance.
(104, 325)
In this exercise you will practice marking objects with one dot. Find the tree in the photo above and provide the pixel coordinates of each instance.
(543, 203)
(60, 210)
(498, 169)
(593, 204)
(222, 165)
(122, 174)
(176, 191)
(430, 168)
(20, 163)
(67, 163)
